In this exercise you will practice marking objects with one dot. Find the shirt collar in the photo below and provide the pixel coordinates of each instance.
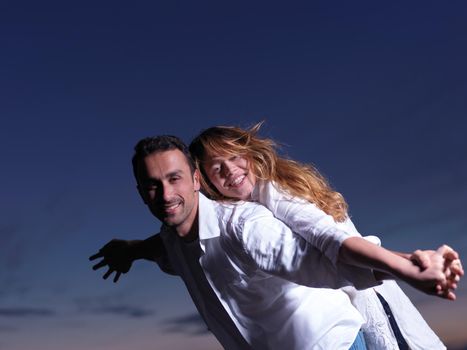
(207, 219)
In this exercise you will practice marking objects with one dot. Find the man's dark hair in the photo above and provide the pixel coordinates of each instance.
(150, 145)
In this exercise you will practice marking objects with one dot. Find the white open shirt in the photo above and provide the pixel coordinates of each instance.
(262, 273)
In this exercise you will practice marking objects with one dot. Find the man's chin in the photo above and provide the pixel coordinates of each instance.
(170, 221)
(166, 219)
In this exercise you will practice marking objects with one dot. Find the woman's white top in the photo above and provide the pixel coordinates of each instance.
(320, 229)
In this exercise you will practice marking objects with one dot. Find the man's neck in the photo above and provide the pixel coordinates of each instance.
(191, 233)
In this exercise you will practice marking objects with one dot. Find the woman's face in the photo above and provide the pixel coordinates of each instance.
(231, 175)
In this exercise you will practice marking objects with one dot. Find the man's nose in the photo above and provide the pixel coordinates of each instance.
(165, 193)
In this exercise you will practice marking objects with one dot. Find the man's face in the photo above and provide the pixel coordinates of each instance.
(169, 190)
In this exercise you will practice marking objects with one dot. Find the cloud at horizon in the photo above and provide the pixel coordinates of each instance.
(191, 324)
(26, 312)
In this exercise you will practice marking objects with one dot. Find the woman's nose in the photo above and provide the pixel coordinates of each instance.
(228, 168)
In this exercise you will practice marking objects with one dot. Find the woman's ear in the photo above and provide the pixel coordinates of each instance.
(196, 180)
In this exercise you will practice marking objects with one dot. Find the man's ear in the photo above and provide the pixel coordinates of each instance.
(142, 194)
(196, 180)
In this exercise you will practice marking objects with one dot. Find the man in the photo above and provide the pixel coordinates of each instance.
(247, 273)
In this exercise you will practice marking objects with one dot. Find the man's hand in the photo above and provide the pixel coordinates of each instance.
(442, 266)
(117, 255)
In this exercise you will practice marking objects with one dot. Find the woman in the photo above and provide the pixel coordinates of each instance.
(237, 164)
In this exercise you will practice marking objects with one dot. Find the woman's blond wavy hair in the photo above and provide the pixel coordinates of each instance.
(297, 179)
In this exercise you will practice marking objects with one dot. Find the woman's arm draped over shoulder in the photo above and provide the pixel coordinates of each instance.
(275, 249)
(343, 245)
(305, 219)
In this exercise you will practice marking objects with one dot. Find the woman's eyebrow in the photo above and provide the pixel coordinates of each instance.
(216, 159)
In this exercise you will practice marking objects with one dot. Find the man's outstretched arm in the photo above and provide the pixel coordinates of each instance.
(119, 254)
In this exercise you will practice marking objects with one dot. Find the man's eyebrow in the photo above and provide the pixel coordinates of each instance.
(174, 173)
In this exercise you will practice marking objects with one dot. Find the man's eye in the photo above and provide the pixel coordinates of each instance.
(150, 187)
(174, 179)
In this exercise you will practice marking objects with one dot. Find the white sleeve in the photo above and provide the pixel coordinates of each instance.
(275, 249)
(305, 219)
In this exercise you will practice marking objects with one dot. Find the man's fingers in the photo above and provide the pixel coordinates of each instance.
(99, 265)
(455, 273)
(449, 294)
(451, 255)
(420, 259)
(447, 252)
(446, 291)
(107, 274)
(95, 256)
(456, 267)
(453, 278)
(117, 276)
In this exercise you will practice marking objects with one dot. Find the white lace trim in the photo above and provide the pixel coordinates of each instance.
(376, 330)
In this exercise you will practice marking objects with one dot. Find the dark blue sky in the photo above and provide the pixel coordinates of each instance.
(373, 94)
